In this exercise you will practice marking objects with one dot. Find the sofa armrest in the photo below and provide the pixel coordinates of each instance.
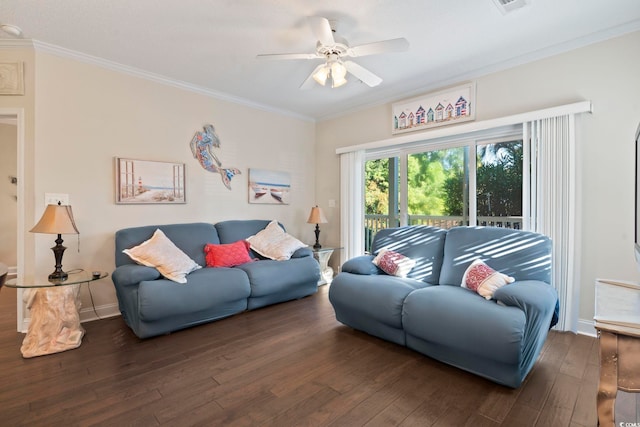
(361, 265)
(538, 300)
(302, 252)
(132, 274)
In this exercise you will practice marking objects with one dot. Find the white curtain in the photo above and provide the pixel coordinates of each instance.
(351, 204)
(550, 207)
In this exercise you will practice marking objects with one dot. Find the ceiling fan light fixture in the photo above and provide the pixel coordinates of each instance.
(338, 73)
(338, 82)
(321, 75)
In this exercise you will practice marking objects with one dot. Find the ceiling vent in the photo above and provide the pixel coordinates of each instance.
(506, 6)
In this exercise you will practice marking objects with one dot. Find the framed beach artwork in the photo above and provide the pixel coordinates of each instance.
(149, 182)
(271, 187)
(445, 107)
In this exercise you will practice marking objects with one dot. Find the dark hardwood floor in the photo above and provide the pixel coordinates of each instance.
(290, 364)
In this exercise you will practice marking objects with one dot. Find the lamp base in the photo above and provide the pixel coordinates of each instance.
(317, 245)
(58, 275)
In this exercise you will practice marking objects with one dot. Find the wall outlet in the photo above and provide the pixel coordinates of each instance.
(54, 198)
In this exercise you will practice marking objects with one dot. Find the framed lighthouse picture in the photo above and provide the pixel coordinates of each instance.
(149, 182)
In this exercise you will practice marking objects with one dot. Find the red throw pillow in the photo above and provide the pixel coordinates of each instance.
(227, 255)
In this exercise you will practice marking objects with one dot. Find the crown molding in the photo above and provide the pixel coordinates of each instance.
(157, 78)
(16, 43)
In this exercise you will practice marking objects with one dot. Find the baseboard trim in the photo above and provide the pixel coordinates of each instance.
(88, 314)
(586, 327)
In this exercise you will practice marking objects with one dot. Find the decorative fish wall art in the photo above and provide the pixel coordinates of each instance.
(202, 145)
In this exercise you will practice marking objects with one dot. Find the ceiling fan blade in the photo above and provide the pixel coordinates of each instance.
(278, 56)
(362, 73)
(309, 82)
(386, 46)
(322, 30)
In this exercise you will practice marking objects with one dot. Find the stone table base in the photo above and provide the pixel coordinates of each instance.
(55, 320)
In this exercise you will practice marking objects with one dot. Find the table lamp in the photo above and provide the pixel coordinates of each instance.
(317, 217)
(57, 219)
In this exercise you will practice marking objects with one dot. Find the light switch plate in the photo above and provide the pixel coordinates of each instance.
(54, 198)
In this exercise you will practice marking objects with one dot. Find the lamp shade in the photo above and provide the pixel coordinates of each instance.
(316, 216)
(56, 219)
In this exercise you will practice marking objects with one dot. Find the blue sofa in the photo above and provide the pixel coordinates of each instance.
(430, 312)
(152, 305)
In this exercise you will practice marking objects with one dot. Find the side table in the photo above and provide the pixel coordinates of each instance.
(55, 313)
(323, 255)
(617, 320)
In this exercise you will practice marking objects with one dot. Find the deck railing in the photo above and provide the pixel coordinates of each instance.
(374, 223)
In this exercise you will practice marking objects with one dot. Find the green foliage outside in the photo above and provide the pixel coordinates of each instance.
(377, 187)
(437, 182)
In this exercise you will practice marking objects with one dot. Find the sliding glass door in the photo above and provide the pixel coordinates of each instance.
(445, 186)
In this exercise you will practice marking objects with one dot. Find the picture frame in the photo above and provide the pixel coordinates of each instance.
(149, 182)
(269, 187)
(11, 78)
(444, 107)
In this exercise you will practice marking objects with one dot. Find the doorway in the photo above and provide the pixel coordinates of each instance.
(12, 121)
(9, 192)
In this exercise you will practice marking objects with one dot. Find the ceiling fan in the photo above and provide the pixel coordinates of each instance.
(334, 50)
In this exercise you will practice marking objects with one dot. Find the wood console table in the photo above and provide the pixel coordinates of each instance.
(617, 320)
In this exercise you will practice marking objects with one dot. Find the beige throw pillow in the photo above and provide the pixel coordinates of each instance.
(274, 243)
(165, 256)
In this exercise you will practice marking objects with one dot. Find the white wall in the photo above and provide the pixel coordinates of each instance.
(87, 115)
(605, 73)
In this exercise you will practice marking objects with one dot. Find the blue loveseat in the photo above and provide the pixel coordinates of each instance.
(152, 305)
(430, 312)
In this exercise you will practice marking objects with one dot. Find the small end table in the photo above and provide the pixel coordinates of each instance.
(55, 312)
(617, 320)
(323, 255)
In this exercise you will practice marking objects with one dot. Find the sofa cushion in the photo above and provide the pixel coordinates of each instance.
(206, 288)
(484, 280)
(190, 238)
(523, 255)
(166, 257)
(274, 243)
(461, 320)
(227, 254)
(393, 263)
(272, 277)
(376, 297)
(239, 229)
(420, 243)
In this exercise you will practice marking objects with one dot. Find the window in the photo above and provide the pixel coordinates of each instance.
(444, 186)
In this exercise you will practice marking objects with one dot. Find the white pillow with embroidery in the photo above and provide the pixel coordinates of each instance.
(484, 280)
(393, 263)
(274, 243)
(160, 252)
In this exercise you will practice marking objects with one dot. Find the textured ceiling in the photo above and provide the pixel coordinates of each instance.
(212, 45)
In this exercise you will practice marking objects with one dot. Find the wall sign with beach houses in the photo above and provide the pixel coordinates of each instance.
(445, 107)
